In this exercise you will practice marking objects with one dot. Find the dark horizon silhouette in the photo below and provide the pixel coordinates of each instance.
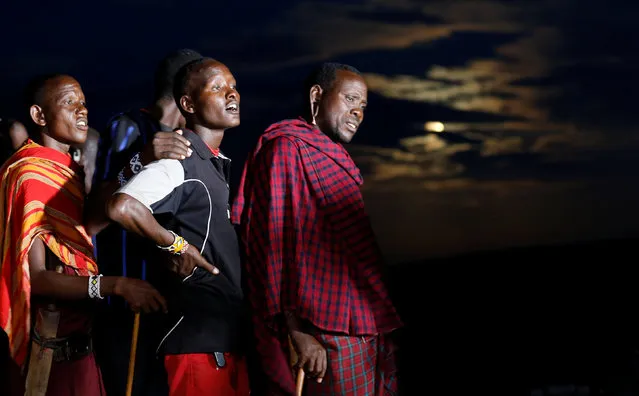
(520, 319)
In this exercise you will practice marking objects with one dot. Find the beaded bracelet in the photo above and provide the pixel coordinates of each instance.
(94, 286)
(178, 246)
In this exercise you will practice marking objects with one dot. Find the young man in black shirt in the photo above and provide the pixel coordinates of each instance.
(182, 206)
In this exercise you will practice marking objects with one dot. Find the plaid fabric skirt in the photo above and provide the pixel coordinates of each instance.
(357, 366)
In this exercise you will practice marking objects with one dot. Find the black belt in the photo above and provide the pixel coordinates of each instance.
(69, 348)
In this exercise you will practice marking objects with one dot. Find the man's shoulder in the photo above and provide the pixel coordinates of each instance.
(192, 137)
(289, 125)
(136, 118)
(283, 143)
(121, 118)
(197, 144)
(160, 170)
(166, 163)
(24, 172)
(192, 162)
(156, 179)
(123, 115)
(291, 134)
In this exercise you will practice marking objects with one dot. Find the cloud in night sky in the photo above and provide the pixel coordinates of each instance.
(535, 97)
(538, 176)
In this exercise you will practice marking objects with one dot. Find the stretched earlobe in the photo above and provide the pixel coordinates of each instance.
(314, 98)
(314, 111)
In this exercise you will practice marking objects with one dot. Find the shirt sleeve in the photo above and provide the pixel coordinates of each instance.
(157, 186)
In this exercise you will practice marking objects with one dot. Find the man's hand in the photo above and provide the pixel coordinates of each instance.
(166, 145)
(311, 355)
(184, 264)
(140, 295)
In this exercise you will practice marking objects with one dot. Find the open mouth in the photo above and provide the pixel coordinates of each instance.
(82, 123)
(352, 126)
(233, 108)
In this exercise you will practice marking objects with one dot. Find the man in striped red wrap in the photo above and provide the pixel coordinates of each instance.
(41, 212)
(313, 267)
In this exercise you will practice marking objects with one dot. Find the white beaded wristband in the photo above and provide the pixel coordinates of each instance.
(94, 286)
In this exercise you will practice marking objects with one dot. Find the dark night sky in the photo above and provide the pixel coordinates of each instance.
(536, 100)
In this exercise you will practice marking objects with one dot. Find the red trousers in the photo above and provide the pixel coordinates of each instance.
(198, 375)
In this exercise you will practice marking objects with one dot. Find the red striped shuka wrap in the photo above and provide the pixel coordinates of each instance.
(41, 196)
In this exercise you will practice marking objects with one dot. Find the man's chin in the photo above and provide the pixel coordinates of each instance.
(231, 120)
(226, 124)
(76, 138)
(345, 136)
(233, 124)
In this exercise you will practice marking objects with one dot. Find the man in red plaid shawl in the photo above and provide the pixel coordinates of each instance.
(313, 268)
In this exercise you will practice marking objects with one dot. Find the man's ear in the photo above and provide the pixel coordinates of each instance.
(187, 104)
(37, 115)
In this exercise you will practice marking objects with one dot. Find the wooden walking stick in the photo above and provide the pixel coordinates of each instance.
(299, 378)
(46, 325)
(134, 347)
(299, 383)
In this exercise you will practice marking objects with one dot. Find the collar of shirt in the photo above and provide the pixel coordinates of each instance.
(215, 152)
(198, 145)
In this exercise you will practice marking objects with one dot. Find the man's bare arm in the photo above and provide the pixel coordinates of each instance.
(52, 284)
(139, 294)
(133, 216)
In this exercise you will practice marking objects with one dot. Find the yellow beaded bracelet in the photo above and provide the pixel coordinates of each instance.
(178, 246)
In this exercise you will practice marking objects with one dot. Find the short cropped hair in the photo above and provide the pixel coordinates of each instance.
(325, 76)
(168, 68)
(183, 79)
(34, 92)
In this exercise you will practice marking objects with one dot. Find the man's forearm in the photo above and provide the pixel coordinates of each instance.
(133, 216)
(58, 285)
(69, 287)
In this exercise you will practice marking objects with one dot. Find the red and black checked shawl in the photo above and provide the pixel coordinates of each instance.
(308, 241)
(41, 196)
